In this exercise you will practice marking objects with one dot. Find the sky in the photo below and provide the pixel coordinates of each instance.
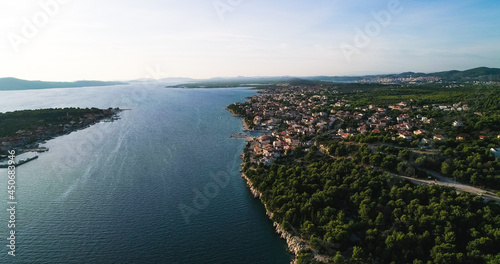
(68, 40)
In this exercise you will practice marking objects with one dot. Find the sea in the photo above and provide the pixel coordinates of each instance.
(159, 185)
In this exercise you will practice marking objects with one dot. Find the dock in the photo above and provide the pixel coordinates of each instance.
(18, 163)
(243, 136)
(39, 150)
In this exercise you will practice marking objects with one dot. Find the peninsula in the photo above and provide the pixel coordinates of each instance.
(24, 130)
(378, 173)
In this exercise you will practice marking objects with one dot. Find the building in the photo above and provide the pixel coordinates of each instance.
(257, 120)
(277, 144)
(405, 134)
(264, 140)
(295, 142)
(419, 132)
(438, 137)
(495, 152)
(257, 150)
(346, 135)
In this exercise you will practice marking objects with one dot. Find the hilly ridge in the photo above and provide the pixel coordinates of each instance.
(10, 83)
(481, 74)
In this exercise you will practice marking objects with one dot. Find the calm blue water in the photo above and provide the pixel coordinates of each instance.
(113, 193)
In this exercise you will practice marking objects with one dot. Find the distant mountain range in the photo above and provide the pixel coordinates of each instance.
(18, 84)
(477, 74)
(482, 74)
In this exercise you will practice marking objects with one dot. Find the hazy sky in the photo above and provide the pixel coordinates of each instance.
(125, 39)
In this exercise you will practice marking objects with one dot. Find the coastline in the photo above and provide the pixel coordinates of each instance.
(295, 244)
(245, 125)
(34, 146)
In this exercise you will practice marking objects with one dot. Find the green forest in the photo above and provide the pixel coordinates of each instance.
(29, 120)
(359, 215)
(480, 97)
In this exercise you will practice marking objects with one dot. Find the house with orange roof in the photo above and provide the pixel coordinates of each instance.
(438, 137)
(405, 134)
(419, 132)
(257, 150)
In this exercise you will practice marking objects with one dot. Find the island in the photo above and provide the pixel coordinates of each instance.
(24, 130)
(10, 84)
(378, 173)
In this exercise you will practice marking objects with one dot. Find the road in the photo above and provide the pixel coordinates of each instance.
(487, 195)
(459, 186)
(446, 181)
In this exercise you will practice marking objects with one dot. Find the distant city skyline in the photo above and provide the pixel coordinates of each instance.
(56, 40)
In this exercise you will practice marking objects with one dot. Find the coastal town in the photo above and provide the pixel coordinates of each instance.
(290, 116)
(411, 138)
(23, 131)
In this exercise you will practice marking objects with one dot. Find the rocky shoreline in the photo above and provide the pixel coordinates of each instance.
(245, 125)
(295, 243)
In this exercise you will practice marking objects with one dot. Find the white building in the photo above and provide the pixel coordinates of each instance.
(495, 152)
